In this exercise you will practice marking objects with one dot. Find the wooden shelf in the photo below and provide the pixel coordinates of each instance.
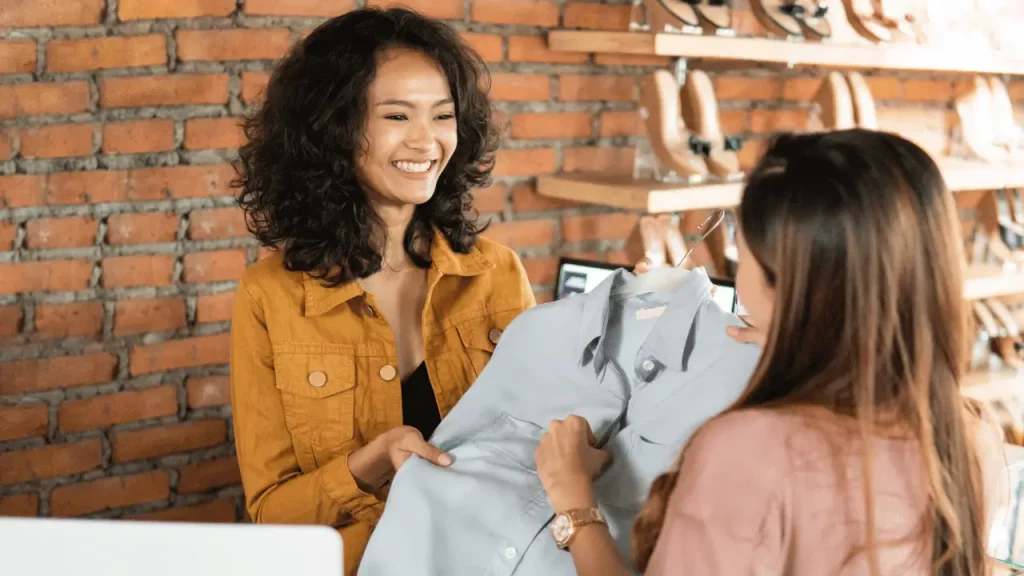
(789, 53)
(650, 196)
(963, 175)
(992, 385)
(992, 282)
(647, 196)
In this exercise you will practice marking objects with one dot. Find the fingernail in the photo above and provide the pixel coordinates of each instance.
(444, 460)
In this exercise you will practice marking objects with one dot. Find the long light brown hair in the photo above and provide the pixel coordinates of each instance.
(857, 233)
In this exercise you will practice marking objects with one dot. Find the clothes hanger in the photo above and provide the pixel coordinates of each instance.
(667, 278)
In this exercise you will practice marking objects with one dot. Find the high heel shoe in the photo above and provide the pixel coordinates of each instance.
(700, 113)
(715, 16)
(811, 15)
(776, 17)
(1005, 132)
(864, 109)
(674, 146)
(864, 17)
(835, 103)
(671, 16)
(977, 117)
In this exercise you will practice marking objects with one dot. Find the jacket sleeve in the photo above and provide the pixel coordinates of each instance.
(529, 299)
(276, 489)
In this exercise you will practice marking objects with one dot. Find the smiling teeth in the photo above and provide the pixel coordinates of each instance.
(413, 166)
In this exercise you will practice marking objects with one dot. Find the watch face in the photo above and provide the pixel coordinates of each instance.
(561, 528)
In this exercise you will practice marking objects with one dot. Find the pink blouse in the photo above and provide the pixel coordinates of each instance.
(766, 492)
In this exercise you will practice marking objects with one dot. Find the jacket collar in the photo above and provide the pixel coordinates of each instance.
(669, 339)
(318, 299)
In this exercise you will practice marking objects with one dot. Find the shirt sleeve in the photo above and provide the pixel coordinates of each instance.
(726, 514)
(276, 489)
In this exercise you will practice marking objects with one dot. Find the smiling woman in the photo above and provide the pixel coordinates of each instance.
(381, 304)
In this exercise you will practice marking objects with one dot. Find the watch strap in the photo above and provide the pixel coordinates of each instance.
(580, 517)
(583, 516)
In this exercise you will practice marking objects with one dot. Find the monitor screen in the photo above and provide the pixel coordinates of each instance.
(581, 276)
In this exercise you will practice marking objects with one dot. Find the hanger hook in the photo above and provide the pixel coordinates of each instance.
(707, 226)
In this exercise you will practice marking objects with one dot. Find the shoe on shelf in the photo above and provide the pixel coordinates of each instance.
(863, 102)
(673, 144)
(835, 103)
(671, 16)
(700, 113)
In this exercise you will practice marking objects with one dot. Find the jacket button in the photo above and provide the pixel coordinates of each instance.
(317, 379)
(369, 310)
(494, 335)
(388, 373)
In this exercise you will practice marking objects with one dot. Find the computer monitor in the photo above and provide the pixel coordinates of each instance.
(576, 276)
(59, 547)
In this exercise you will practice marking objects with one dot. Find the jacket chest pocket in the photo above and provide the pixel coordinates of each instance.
(318, 396)
(479, 338)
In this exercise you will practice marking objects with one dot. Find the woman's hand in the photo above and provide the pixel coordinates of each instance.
(567, 463)
(375, 464)
(748, 334)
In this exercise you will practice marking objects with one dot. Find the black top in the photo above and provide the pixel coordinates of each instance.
(419, 406)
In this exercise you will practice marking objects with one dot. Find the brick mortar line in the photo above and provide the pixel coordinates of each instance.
(178, 248)
(106, 209)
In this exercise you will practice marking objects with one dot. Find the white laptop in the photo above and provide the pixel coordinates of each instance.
(57, 547)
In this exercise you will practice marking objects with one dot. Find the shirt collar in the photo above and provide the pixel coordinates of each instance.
(668, 341)
(319, 299)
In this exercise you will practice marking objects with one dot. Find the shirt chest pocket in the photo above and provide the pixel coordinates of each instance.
(318, 397)
(637, 461)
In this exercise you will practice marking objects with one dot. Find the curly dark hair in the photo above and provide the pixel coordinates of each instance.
(297, 172)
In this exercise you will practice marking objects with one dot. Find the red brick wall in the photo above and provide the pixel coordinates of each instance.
(120, 243)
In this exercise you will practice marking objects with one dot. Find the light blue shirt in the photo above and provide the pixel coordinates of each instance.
(644, 370)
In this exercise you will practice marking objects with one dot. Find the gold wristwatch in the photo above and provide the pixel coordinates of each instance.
(566, 524)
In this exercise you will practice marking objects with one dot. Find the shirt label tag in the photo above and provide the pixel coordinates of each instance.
(650, 313)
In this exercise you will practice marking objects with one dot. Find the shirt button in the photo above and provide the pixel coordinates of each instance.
(317, 379)
(510, 552)
(494, 335)
(369, 310)
(647, 365)
(387, 373)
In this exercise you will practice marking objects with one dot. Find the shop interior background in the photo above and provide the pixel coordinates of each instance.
(120, 243)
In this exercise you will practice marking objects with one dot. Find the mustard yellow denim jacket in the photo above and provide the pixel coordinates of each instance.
(313, 377)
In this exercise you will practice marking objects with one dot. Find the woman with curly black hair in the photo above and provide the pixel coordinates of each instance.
(381, 305)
